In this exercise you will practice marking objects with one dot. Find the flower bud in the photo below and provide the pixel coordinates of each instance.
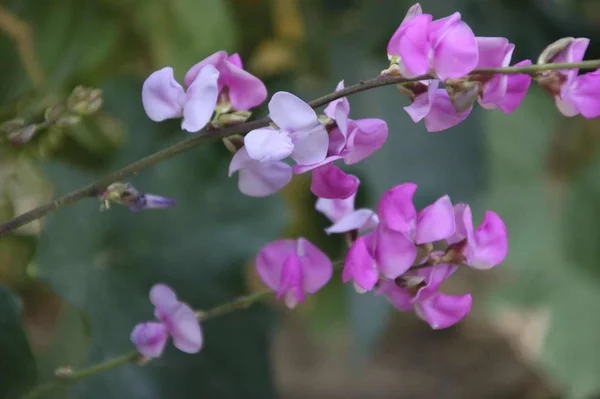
(233, 118)
(233, 143)
(17, 132)
(463, 94)
(84, 100)
(550, 52)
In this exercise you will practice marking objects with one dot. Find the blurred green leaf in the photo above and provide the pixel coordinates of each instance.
(17, 368)
(182, 32)
(540, 274)
(105, 264)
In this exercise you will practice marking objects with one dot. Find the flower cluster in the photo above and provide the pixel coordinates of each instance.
(394, 253)
(397, 251)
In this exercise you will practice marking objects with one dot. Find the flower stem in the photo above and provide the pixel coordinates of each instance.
(64, 380)
(199, 139)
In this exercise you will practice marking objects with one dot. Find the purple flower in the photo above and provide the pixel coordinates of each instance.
(126, 194)
(434, 105)
(344, 217)
(176, 319)
(391, 249)
(418, 290)
(445, 47)
(299, 134)
(481, 248)
(293, 268)
(164, 98)
(329, 181)
(259, 179)
(150, 201)
(504, 91)
(244, 90)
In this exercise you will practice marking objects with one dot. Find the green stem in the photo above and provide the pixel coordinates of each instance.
(199, 139)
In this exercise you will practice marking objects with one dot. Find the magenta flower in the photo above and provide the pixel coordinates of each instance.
(445, 47)
(344, 217)
(329, 181)
(434, 106)
(164, 98)
(418, 290)
(481, 248)
(504, 91)
(176, 319)
(293, 268)
(243, 90)
(299, 134)
(259, 179)
(391, 249)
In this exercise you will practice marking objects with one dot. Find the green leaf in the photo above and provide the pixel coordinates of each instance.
(180, 33)
(105, 263)
(17, 368)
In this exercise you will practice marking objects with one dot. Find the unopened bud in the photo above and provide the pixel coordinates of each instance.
(63, 372)
(17, 132)
(233, 143)
(554, 49)
(52, 114)
(84, 100)
(67, 120)
(463, 94)
(233, 118)
(126, 194)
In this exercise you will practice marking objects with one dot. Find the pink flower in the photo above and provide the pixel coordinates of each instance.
(445, 47)
(418, 291)
(293, 268)
(176, 319)
(259, 179)
(391, 249)
(504, 91)
(344, 217)
(484, 247)
(435, 107)
(244, 90)
(164, 98)
(350, 141)
(300, 134)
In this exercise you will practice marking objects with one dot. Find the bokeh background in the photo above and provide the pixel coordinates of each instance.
(73, 285)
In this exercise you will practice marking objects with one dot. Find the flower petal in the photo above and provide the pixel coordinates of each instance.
(263, 179)
(516, 87)
(396, 209)
(310, 145)
(162, 296)
(162, 96)
(215, 60)
(291, 113)
(360, 266)
(149, 338)
(291, 280)
(492, 51)
(268, 144)
(463, 222)
(455, 51)
(394, 252)
(433, 278)
(412, 45)
(491, 243)
(443, 311)
(435, 222)
(584, 94)
(335, 209)
(340, 108)
(201, 99)
(442, 115)
(185, 329)
(270, 260)
(361, 219)
(366, 137)
(399, 297)
(299, 169)
(246, 91)
(331, 182)
(422, 103)
(317, 268)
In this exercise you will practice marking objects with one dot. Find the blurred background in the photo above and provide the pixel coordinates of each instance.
(73, 285)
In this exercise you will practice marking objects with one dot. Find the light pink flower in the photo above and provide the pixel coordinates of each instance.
(244, 90)
(176, 319)
(299, 134)
(259, 179)
(163, 98)
(484, 247)
(293, 268)
(344, 217)
(445, 47)
(504, 91)
(419, 292)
